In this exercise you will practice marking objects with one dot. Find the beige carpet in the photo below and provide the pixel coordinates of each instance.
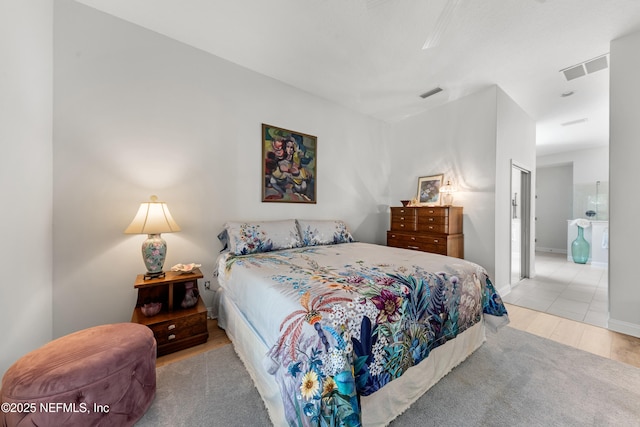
(514, 379)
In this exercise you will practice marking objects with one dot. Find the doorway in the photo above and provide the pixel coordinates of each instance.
(520, 223)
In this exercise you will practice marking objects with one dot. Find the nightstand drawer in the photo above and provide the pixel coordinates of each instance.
(179, 328)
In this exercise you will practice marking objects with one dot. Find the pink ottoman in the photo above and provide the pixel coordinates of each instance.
(101, 376)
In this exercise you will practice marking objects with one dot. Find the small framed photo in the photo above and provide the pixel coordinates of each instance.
(429, 190)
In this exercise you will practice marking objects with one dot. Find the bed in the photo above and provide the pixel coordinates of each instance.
(338, 332)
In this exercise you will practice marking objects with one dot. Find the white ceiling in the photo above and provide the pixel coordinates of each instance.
(368, 54)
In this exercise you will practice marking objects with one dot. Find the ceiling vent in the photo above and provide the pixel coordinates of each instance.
(430, 93)
(587, 67)
(574, 122)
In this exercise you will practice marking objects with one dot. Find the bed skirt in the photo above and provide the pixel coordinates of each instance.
(379, 408)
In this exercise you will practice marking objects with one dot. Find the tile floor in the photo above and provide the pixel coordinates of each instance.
(563, 288)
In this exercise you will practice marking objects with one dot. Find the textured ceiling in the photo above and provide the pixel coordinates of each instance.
(368, 54)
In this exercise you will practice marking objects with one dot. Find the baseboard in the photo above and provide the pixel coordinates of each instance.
(624, 327)
(504, 291)
(551, 250)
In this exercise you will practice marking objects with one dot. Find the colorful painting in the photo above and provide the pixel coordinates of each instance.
(429, 190)
(289, 166)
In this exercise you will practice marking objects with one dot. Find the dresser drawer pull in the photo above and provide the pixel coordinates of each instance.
(393, 235)
(401, 225)
(431, 219)
(171, 337)
(413, 247)
(170, 327)
(436, 240)
(401, 218)
(431, 227)
(431, 211)
(413, 238)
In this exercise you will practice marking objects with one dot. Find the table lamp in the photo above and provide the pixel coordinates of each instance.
(152, 219)
(447, 193)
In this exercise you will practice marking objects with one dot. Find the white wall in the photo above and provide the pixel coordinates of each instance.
(136, 114)
(624, 176)
(554, 206)
(471, 141)
(589, 166)
(435, 142)
(25, 176)
(515, 143)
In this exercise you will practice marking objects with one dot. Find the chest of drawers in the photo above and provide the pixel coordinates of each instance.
(435, 229)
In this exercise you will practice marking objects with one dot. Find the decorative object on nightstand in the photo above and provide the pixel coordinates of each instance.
(182, 320)
(185, 268)
(447, 193)
(153, 218)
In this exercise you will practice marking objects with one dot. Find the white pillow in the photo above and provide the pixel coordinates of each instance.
(262, 236)
(323, 232)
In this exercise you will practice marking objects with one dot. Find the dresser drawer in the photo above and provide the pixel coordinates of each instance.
(403, 219)
(433, 212)
(421, 243)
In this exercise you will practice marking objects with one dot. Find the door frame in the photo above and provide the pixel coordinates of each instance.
(525, 191)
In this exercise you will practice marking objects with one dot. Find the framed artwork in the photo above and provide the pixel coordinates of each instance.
(288, 165)
(429, 190)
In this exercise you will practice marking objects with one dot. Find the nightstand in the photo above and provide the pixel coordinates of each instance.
(174, 327)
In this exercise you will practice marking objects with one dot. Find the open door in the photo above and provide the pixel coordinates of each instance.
(520, 222)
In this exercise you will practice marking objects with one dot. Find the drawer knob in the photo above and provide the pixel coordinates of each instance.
(431, 211)
(435, 240)
(171, 337)
(170, 327)
(413, 238)
(431, 227)
(402, 218)
(401, 225)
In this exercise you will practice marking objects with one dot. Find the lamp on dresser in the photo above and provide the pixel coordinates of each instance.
(153, 218)
(447, 193)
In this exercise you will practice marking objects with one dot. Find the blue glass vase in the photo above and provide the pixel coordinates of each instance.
(580, 248)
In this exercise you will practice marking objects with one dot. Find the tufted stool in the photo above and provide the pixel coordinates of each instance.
(101, 376)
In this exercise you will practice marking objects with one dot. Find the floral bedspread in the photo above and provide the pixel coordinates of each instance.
(344, 320)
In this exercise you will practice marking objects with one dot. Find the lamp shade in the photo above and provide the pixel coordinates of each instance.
(152, 218)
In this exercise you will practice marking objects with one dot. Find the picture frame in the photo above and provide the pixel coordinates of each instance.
(289, 165)
(429, 190)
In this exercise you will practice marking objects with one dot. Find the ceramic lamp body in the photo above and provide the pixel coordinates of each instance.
(154, 251)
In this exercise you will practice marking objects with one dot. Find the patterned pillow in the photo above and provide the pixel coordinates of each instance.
(324, 232)
(262, 236)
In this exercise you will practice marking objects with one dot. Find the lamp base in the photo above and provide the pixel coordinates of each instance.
(154, 250)
(149, 276)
